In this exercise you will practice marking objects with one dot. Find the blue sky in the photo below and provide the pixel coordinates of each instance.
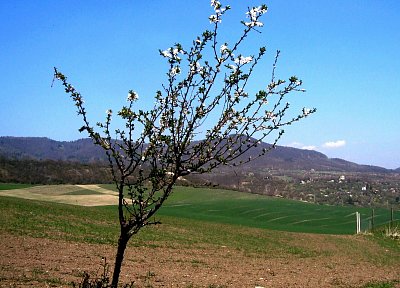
(346, 53)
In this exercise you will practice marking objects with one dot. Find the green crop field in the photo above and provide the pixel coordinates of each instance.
(228, 207)
(258, 211)
(10, 186)
(266, 212)
(98, 225)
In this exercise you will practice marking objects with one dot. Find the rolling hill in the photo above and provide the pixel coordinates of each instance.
(41, 148)
(84, 151)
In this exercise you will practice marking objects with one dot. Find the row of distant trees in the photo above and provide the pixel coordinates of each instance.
(52, 172)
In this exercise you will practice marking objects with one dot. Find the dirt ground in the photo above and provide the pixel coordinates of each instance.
(33, 262)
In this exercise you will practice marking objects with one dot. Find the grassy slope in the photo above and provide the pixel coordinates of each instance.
(98, 225)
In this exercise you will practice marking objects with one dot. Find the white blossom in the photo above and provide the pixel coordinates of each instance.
(196, 67)
(254, 23)
(109, 112)
(174, 71)
(242, 119)
(240, 92)
(220, 10)
(253, 14)
(171, 53)
(214, 19)
(166, 54)
(233, 67)
(105, 144)
(175, 51)
(256, 12)
(306, 111)
(224, 49)
(243, 60)
(132, 96)
(199, 68)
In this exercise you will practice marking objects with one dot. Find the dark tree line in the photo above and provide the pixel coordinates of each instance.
(52, 172)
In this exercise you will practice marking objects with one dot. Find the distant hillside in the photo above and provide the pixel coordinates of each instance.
(288, 158)
(40, 148)
(84, 151)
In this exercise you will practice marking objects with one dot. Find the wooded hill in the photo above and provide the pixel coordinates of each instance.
(84, 151)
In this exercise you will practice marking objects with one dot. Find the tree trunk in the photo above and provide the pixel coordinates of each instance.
(122, 242)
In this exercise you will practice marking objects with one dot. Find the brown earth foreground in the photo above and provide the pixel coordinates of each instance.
(36, 262)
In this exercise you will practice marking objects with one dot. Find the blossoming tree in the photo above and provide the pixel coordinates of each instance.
(156, 147)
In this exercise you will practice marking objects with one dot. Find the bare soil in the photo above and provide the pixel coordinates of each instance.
(34, 262)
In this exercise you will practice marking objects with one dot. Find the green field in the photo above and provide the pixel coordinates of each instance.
(258, 211)
(250, 210)
(99, 225)
(9, 186)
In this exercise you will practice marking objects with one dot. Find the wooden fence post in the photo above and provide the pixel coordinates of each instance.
(373, 219)
(391, 217)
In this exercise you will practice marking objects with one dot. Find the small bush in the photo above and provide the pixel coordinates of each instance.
(102, 281)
